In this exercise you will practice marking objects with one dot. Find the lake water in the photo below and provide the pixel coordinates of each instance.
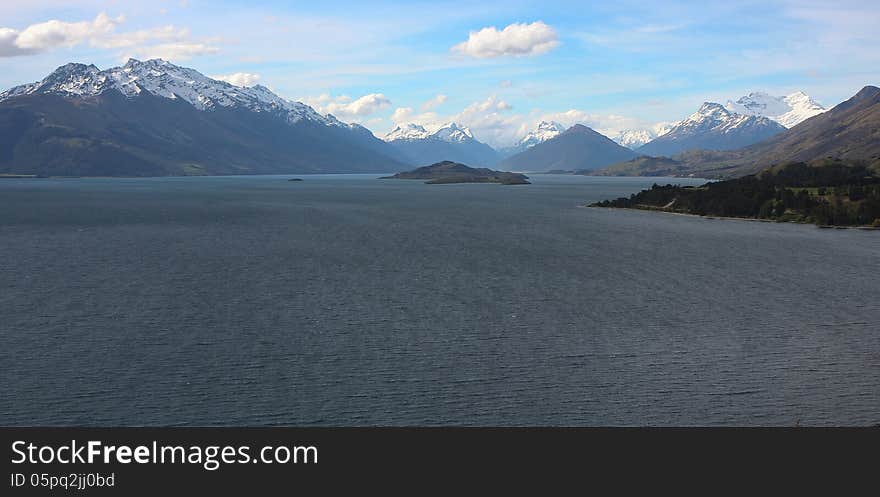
(348, 300)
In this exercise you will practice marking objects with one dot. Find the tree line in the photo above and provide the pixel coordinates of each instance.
(831, 192)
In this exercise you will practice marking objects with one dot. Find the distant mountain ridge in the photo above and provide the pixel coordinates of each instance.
(155, 118)
(577, 148)
(849, 131)
(712, 127)
(448, 142)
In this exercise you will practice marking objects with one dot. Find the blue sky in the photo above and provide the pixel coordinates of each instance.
(498, 67)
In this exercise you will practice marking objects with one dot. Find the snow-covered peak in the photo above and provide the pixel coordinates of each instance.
(453, 133)
(543, 132)
(164, 79)
(758, 103)
(714, 118)
(409, 131)
(788, 110)
(449, 132)
(634, 138)
(69, 79)
(709, 111)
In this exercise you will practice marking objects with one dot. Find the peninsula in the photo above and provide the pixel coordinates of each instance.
(827, 192)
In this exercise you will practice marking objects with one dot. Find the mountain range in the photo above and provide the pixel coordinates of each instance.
(729, 131)
(150, 118)
(712, 127)
(449, 141)
(850, 131)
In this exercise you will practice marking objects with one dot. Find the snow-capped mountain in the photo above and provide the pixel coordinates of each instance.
(453, 133)
(543, 132)
(164, 79)
(712, 116)
(450, 141)
(788, 110)
(155, 118)
(449, 132)
(634, 138)
(409, 131)
(712, 127)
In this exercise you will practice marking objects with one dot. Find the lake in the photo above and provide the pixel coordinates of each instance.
(349, 300)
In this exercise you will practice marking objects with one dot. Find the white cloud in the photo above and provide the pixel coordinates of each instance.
(141, 37)
(364, 106)
(55, 33)
(491, 105)
(402, 114)
(8, 48)
(434, 102)
(239, 78)
(346, 109)
(428, 119)
(167, 42)
(427, 116)
(51, 34)
(174, 51)
(518, 39)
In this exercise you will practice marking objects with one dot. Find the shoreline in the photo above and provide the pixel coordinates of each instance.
(862, 227)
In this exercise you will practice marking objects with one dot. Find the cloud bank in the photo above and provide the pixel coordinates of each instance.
(343, 107)
(239, 78)
(167, 42)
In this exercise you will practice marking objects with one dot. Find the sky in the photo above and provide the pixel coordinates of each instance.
(497, 67)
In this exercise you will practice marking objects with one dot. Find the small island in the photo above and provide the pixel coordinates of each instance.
(826, 192)
(448, 172)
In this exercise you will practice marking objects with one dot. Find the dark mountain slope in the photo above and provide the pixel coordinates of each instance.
(577, 148)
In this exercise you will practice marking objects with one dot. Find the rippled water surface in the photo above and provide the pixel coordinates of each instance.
(348, 300)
